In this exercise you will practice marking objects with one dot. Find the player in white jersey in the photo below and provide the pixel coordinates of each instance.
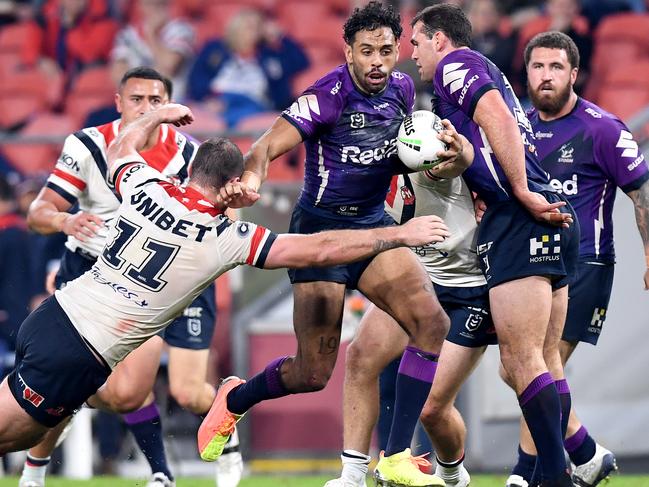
(80, 176)
(168, 243)
(461, 289)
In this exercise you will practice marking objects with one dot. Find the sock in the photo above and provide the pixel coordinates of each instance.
(146, 427)
(265, 385)
(580, 446)
(542, 411)
(355, 465)
(449, 471)
(566, 403)
(387, 394)
(525, 465)
(416, 372)
(35, 469)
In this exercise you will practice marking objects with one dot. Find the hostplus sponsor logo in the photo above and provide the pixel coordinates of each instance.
(354, 154)
(597, 321)
(568, 187)
(545, 248)
(567, 153)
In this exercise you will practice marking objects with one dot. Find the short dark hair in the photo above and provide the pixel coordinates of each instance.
(217, 161)
(371, 17)
(446, 18)
(554, 40)
(145, 72)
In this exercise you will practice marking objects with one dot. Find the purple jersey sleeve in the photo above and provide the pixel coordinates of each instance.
(463, 80)
(317, 109)
(618, 154)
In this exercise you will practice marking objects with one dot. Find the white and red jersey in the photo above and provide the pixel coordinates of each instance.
(453, 262)
(81, 172)
(167, 244)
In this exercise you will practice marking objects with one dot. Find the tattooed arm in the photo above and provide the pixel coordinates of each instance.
(640, 199)
(342, 246)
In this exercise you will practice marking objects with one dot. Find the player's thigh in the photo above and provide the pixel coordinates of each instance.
(521, 312)
(18, 430)
(396, 282)
(317, 320)
(133, 378)
(378, 341)
(187, 370)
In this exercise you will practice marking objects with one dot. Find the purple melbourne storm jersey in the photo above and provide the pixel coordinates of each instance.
(589, 153)
(350, 141)
(461, 78)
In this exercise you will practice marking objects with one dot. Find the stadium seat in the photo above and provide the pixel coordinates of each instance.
(205, 125)
(26, 92)
(93, 88)
(294, 14)
(626, 91)
(219, 14)
(40, 157)
(13, 36)
(305, 79)
(257, 123)
(622, 37)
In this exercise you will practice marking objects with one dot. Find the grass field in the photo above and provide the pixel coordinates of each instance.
(271, 481)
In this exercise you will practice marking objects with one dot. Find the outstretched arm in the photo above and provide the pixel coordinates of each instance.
(640, 198)
(342, 246)
(134, 136)
(280, 138)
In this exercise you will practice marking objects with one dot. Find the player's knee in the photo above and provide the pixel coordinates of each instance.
(360, 360)
(312, 380)
(505, 376)
(432, 413)
(429, 328)
(187, 397)
(125, 399)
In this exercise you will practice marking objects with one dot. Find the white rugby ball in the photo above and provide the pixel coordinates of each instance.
(417, 142)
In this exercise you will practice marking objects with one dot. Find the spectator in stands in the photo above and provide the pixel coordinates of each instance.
(15, 267)
(14, 11)
(69, 35)
(492, 36)
(249, 71)
(156, 39)
(564, 16)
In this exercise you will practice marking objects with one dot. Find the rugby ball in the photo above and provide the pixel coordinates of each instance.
(417, 142)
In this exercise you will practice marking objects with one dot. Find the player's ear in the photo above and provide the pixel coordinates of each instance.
(348, 53)
(573, 75)
(118, 102)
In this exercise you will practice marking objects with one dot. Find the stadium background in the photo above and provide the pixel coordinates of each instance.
(42, 100)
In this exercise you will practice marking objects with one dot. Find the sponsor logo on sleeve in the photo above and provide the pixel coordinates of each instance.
(627, 143)
(453, 76)
(68, 161)
(303, 107)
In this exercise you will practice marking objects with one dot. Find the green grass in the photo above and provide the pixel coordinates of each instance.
(295, 481)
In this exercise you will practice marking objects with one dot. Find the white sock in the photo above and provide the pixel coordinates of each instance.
(355, 466)
(449, 470)
(35, 468)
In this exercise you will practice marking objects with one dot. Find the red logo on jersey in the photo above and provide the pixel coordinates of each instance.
(408, 197)
(30, 394)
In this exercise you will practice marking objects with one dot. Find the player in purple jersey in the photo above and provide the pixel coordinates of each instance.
(589, 153)
(349, 120)
(527, 241)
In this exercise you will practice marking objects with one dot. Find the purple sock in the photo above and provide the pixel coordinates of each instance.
(580, 446)
(265, 385)
(525, 465)
(416, 372)
(146, 427)
(566, 403)
(542, 411)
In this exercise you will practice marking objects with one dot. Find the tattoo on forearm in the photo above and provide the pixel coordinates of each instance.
(382, 245)
(640, 199)
(328, 345)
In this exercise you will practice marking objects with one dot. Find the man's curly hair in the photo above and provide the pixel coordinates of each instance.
(371, 17)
